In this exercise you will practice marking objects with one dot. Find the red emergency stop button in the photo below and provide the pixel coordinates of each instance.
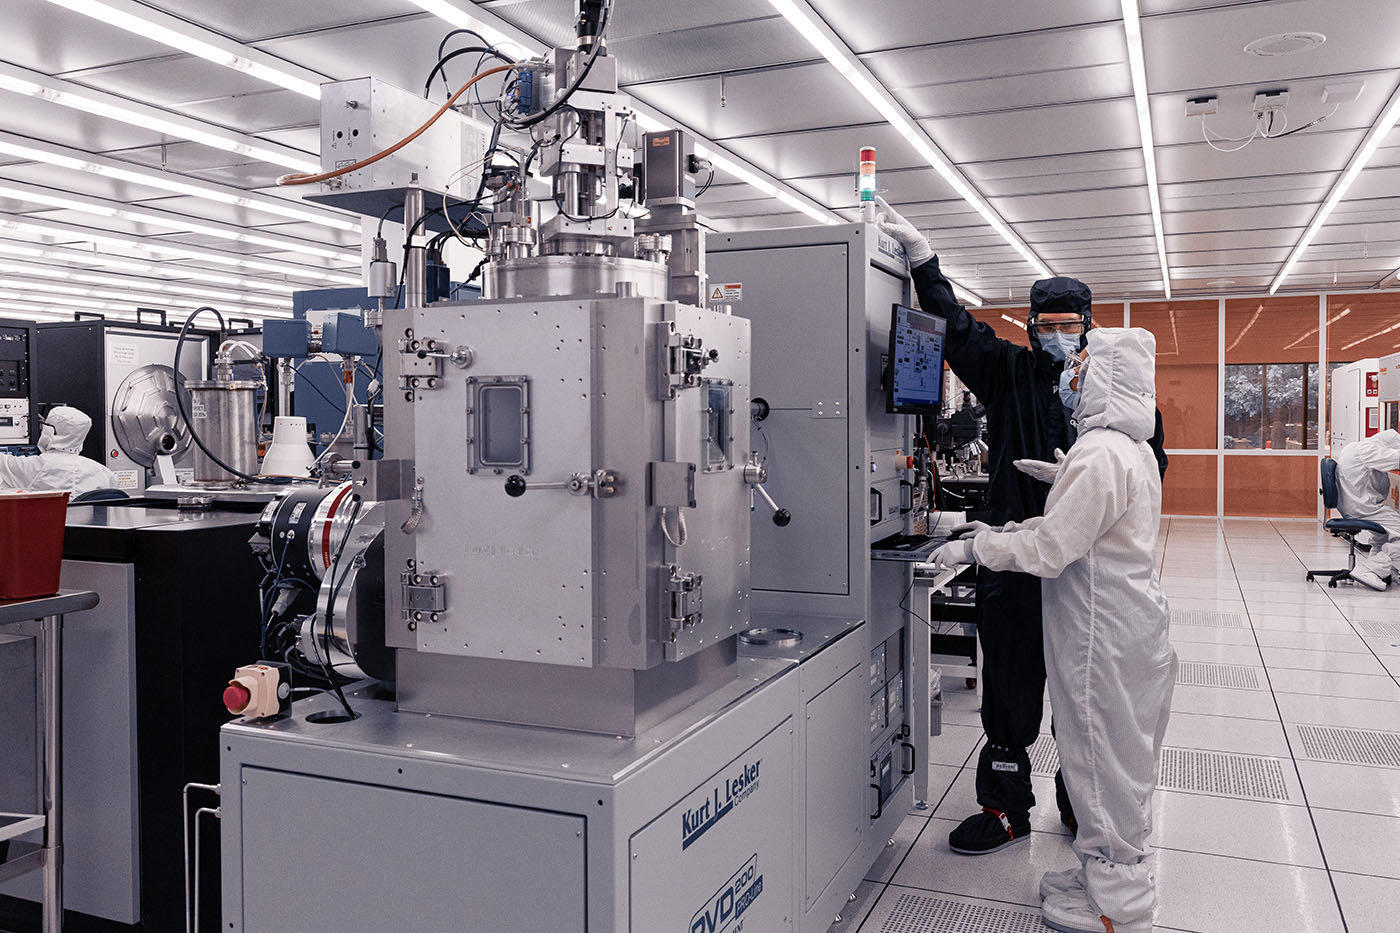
(910, 464)
(236, 697)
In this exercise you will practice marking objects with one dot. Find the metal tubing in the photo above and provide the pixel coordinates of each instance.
(197, 814)
(416, 268)
(185, 827)
(286, 374)
(53, 774)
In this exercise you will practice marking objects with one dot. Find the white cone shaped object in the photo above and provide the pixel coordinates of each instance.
(289, 455)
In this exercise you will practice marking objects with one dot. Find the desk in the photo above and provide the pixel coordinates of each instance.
(23, 857)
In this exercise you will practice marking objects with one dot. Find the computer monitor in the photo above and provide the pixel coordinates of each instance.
(916, 362)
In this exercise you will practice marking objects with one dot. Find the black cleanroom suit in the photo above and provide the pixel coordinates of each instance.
(1025, 420)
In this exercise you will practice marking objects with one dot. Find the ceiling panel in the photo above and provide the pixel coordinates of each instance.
(702, 50)
(900, 23)
(827, 152)
(48, 38)
(40, 119)
(1253, 218)
(399, 51)
(1064, 85)
(1295, 155)
(1206, 49)
(1103, 202)
(781, 100)
(1023, 54)
(1082, 127)
(251, 20)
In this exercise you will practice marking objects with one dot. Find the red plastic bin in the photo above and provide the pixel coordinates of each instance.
(31, 543)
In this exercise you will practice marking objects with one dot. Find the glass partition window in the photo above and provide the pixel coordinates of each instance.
(1271, 374)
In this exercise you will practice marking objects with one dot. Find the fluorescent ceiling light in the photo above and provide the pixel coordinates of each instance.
(1359, 160)
(169, 183)
(67, 94)
(101, 298)
(127, 282)
(1012, 320)
(185, 37)
(115, 209)
(1132, 28)
(71, 232)
(163, 270)
(815, 31)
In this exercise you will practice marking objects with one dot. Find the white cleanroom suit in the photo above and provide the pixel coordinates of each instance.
(1110, 665)
(60, 464)
(1363, 491)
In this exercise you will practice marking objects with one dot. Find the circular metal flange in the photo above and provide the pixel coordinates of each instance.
(771, 637)
(145, 418)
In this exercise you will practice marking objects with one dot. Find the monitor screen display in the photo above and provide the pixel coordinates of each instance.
(916, 362)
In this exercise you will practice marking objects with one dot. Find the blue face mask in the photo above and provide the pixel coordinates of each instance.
(1060, 346)
(1068, 396)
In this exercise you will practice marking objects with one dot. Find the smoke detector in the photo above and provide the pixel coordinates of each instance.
(1285, 43)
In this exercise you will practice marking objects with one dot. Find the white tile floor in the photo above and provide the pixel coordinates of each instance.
(1325, 859)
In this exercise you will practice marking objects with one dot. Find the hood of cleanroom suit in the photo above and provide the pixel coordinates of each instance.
(1109, 664)
(1117, 387)
(60, 465)
(1061, 295)
(65, 430)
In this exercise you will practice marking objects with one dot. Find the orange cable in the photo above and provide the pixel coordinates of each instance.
(302, 178)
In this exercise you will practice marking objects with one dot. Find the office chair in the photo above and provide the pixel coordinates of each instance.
(1347, 528)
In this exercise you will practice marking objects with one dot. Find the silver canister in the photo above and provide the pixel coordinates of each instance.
(223, 413)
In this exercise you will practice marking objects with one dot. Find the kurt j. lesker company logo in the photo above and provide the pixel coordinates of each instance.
(722, 797)
(724, 911)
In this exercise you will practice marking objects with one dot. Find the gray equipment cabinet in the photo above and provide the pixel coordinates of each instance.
(820, 301)
(690, 825)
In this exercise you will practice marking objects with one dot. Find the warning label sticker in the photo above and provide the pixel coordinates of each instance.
(126, 479)
(122, 352)
(731, 292)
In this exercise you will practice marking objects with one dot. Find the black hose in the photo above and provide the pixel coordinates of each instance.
(469, 50)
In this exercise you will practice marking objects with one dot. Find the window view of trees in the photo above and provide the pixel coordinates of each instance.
(1271, 406)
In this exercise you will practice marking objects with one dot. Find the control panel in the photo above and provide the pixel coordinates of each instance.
(14, 419)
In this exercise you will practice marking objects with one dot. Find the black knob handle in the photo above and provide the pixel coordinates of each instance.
(782, 517)
(515, 485)
(760, 409)
(714, 355)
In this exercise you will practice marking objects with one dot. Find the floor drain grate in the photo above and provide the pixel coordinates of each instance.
(913, 913)
(1351, 746)
(1208, 617)
(1223, 774)
(1210, 674)
(1379, 629)
(1045, 757)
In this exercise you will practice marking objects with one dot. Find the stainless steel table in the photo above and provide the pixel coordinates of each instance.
(21, 856)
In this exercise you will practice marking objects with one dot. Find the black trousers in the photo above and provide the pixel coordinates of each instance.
(1013, 687)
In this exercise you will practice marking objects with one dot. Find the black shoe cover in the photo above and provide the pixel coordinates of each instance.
(986, 832)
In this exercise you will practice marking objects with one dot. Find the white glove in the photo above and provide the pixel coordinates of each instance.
(953, 554)
(967, 530)
(1040, 469)
(891, 223)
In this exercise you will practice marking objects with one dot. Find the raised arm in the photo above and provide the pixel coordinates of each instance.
(975, 353)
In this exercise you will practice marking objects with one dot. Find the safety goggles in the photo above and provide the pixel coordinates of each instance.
(1071, 328)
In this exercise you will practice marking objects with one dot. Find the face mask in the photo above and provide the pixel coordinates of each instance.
(1069, 397)
(1060, 346)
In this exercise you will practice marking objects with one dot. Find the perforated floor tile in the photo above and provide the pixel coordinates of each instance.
(1351, 746)
(1209, 617)
(1209, 674)
(1223, 774)
(928, 913)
